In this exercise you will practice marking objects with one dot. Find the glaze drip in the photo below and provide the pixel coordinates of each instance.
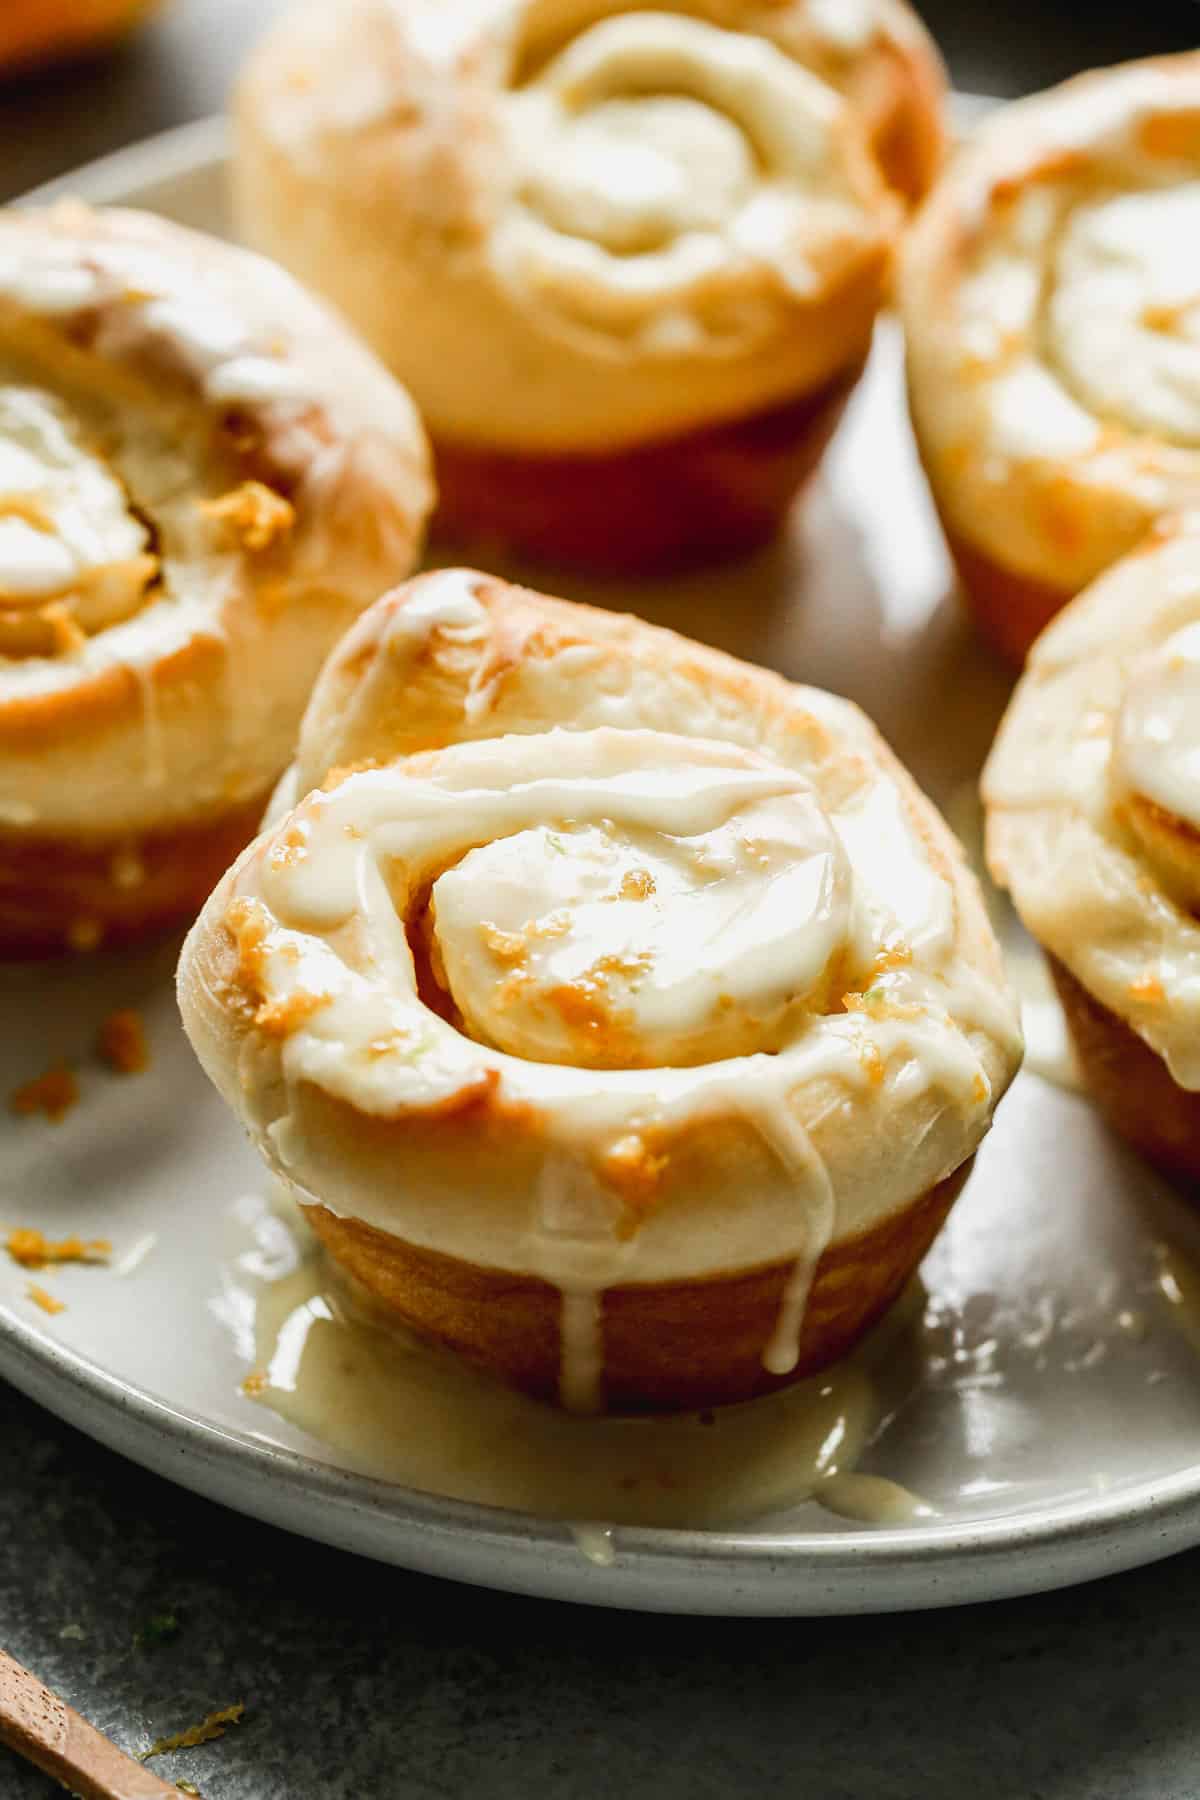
(600, 945)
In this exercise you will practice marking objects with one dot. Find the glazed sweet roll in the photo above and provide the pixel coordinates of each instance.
(628, 259)
(622, 1014)
(1051, 299)
(1093, 797)
(203, 480)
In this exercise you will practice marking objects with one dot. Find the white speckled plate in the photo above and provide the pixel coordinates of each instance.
(1054, 1420)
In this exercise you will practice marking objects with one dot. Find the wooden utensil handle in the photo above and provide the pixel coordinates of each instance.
(39, 1726)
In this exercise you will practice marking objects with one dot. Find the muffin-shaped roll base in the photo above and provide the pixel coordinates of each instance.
(1131, 1083)
(62, 894)
(661, 507)
(1010, 610)
(666, 1346)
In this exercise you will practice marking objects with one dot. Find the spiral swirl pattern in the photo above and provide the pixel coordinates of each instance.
(579, 226)
(681, 185)
(1052, 299)
(1093, 793)
(200, 473)
(640, 893)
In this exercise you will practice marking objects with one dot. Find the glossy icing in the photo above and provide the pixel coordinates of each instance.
(1052, 300)
(662, 167)
(181, 432)
(1104, 721)
(637, 934)
(403, 1411)
(66, 530)
(1156, 749)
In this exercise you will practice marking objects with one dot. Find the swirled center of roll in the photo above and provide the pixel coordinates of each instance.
(606, 946)
(632, 174)
(74, 557)
(605, 899)
(1156, 751)
(664, 163)
(1124, 311)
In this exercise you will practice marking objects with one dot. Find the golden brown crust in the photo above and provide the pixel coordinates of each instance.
(661, 508)
(260, 480)
(61, 894)
(474, 1174)
(900, 96)
(578, 416)
(667, 1346)
(1131, 1083)
(1047, 466)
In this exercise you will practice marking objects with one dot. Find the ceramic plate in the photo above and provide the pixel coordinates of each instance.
(1041, 1393)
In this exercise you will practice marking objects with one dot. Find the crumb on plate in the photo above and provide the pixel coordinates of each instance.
(46, 1301)
(53, 1093)
(121, 1041)
(33, 1250)
(211, 1727)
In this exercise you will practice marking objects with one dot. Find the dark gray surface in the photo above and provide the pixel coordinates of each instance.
(363, 1683)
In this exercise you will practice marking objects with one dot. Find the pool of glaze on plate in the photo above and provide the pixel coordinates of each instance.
(404, 1411)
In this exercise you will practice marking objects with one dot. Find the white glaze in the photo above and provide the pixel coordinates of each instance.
(118, 427)
(1156, 748)
(89, 543)
(1103, 714)
(137, 289)
(406, 1412)
(1050, 302)
(555, 854)
(661, 167)
(1124, 314)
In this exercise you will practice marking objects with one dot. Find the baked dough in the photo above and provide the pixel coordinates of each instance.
(1093, 803)
(622, 1014)
(598, 241)
(1051, 299)
(203, 480)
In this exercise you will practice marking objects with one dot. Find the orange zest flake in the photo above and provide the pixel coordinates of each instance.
(46, 1301)
(278, 1018)
(247, 922)
(879, 1005)
(506, 946)
(53, 1093)
(637, 1172)
(1166, 316)
(254, 513)
(1173, 135)
(31, 1249)
(872, 1061)
(1148, 988)
(121, 1041)
(343, 771)
(290, 847)
(637, 884)
(209, 1728)
(256, 1383)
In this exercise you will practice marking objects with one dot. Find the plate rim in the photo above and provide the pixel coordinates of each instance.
(860, 1571)
(1006, 1555)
